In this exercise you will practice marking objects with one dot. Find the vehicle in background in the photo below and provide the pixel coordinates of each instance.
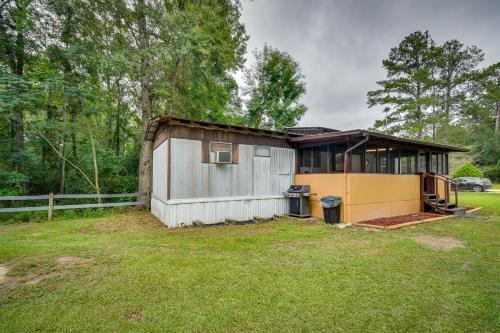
(475, 184)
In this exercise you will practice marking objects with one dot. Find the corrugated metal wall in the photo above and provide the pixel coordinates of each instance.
(160, 157)
(253, 175)
(179, 213)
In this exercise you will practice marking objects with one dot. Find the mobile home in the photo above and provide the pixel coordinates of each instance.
(211, 172)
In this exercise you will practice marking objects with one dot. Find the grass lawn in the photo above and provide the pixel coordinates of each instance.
(126, 272)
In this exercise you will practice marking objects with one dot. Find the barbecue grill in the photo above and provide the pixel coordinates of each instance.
(298, 195)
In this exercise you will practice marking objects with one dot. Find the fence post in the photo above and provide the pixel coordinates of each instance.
(51, 205)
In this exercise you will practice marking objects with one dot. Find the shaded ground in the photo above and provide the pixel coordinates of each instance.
(129, 273)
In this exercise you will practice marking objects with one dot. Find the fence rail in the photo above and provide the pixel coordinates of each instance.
(51, 207)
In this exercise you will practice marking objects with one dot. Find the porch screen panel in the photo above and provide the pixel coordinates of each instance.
(382, 160)
(434, 163)
(371, 160)
(305, 160)
(394, 161)
(404, 163)
(356, 161)
(446, 164)
(422, 163)
(339, 160)
(320, 159)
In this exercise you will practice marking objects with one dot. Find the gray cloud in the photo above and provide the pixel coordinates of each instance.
(340, 44)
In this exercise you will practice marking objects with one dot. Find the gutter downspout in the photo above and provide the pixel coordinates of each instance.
(347, 190)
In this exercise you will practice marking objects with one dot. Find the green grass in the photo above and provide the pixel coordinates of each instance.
(276, 276)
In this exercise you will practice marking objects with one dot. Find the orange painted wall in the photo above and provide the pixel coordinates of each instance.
(323, 184)
(382, 195)
(365, 196)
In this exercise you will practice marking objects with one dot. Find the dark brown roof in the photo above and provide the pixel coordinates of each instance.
(156, 122)
(389, 138)
(312, 130)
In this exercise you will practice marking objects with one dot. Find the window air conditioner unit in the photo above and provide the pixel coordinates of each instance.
(223, 157)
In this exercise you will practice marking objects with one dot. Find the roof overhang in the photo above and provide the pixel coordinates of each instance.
(159, 121)
(374, 137)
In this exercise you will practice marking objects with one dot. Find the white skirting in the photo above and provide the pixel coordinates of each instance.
(182, 212)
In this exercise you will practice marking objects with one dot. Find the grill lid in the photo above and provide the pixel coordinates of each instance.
(299, 189)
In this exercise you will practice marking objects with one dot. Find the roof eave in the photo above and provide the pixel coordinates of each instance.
(358, 132)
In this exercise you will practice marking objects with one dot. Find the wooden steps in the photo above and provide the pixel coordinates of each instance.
(433, 201)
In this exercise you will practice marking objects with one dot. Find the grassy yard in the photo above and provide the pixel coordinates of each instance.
(126, 272)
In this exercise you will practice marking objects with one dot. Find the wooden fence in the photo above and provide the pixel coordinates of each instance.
(51, 197)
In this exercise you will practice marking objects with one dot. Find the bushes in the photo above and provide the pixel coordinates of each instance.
(493, 173)
(468, 170)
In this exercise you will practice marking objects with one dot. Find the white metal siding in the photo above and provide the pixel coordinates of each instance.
(251, 176)
(262, 175)
(160, 157)
(182, 212)
(212, 193)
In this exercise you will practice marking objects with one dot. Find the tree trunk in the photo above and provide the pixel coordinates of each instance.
(146, 155)
(117, 134)
(74, 149)
(65, 138)
(419, 112)
(94, 159)
(18, 115)
(497, 122)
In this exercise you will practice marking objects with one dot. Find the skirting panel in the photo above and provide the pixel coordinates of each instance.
(182, 212)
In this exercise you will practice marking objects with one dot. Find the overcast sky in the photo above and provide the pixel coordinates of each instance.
(340, 44)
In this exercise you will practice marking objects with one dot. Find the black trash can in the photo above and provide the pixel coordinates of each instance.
(331, 209)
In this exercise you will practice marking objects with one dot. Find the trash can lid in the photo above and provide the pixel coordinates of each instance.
(330, 201)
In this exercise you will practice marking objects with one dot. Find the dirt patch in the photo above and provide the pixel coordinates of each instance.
(33, 279)
(72, 261)
(3, 274)
(395, 220)
(132, 220)
(439, 243)
(134, 315)
(7, 283)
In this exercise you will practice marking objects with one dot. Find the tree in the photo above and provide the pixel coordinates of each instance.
(275, 86)
(481, 115)
(16, 17)
(407, 91)
(468, 170)
(455, 65)
(185, 51)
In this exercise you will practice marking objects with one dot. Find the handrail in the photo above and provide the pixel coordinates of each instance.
(447, 182)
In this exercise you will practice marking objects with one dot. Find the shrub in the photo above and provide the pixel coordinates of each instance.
(468, 170)
(493, 173)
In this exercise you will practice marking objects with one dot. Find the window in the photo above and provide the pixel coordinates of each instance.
(305, 160)
(434, 163)
(422, 163)
(356, 161)
(382, 160)
(320, 159)
(371, 160)
(446, 164)
(412, 161)
(221, 152)
(339, 160)
(394, 161)
(404, 163)
(262, 151)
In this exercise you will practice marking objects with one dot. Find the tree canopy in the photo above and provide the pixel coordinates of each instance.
(81, 79)
(440, 93)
